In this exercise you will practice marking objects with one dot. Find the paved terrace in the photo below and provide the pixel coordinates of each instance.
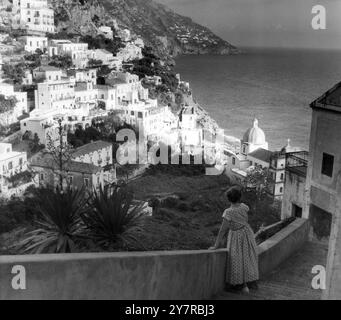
(291, 280)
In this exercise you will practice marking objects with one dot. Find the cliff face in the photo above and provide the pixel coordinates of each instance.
(167, 32)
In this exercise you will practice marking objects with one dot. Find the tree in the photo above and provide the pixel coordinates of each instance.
(258, 180)
(35, 145)
(61, 154)
(7, 104)
(95, 63)
(61, 62)
(15, 72)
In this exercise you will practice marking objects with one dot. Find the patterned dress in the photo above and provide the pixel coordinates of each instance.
(242, 265)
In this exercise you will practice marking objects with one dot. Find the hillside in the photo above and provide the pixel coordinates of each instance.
(161, 28)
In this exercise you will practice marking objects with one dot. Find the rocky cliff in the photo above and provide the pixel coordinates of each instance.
(161, 28)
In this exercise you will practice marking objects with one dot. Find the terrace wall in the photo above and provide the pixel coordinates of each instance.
(147, 275)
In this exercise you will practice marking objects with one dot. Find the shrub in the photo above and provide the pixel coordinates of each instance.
(183, 206)
(58, 226)
(111, 219)
(170, 202)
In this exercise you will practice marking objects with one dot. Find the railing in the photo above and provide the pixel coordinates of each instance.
(297, 162)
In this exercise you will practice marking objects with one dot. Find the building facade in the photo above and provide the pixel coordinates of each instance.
(33, 15)
(11, 162)
(324, 181)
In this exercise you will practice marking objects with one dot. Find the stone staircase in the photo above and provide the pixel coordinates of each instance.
(291, 280)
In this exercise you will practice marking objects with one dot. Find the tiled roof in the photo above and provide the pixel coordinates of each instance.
(47, 68)
(91, 147)
(330, 99)
(47, 161)
(261, 154)
(104, 51)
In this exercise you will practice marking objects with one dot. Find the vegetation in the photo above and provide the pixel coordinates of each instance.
(259, 180)
(20, 178)
(101, 42)
(34, 59)
(58, 225)
(151, 65)
(61, 62)
(112, 220)
(95, 63)
(16, 212)
(7, 104)
(6, 131)
(15, 71)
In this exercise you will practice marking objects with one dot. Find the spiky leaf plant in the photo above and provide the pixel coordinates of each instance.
(59, 227)
(112, 219)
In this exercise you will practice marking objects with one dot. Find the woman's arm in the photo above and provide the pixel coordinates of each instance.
(223, 229)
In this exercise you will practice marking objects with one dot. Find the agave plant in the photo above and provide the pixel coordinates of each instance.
(59, 227)
(113, 220)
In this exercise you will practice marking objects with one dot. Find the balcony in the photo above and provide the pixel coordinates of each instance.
(297, 163)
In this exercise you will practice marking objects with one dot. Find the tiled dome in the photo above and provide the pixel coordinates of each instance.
(254, 135)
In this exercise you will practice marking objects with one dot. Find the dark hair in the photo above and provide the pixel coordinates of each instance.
(234, 194)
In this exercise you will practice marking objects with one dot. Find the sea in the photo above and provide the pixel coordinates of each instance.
(274, 85)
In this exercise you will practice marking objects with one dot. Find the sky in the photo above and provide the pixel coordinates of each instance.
(265, 23)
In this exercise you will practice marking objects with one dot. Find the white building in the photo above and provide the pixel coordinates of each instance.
(106, 32)
(11, 162)
(32, 43)
(124, 34)
(33, 15)
(20, 108)
(154, 80)
(83, 75)
(107, 58)
(155, 122)
(78, 51)
(191, 132)
(47, 74)
(98, 153)
(130, 52)
(55, 95)
(254, 153)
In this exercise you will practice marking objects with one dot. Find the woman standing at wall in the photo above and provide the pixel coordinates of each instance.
(242, 266)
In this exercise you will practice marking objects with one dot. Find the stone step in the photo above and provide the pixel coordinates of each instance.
(275, 291)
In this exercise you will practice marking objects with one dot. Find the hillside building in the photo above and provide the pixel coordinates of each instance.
(33, 15)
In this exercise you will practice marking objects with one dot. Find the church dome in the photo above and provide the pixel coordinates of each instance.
(254, 135)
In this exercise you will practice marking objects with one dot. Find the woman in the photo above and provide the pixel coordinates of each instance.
(242, 266)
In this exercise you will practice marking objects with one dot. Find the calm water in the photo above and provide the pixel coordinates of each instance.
(276, 86)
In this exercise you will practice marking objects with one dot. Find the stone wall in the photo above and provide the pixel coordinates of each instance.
(173, 275)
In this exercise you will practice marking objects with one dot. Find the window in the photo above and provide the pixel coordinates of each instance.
(234, 161)
(244, 149)
(41, 177)
(327, 164)
(10, 165)
(20, 162)
(281, 189)
(140, 115)
(282, 176)
(86, 182)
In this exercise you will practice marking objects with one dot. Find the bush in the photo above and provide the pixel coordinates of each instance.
(58, 225)
(183, 206)
(112, 220)
(170, 202)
